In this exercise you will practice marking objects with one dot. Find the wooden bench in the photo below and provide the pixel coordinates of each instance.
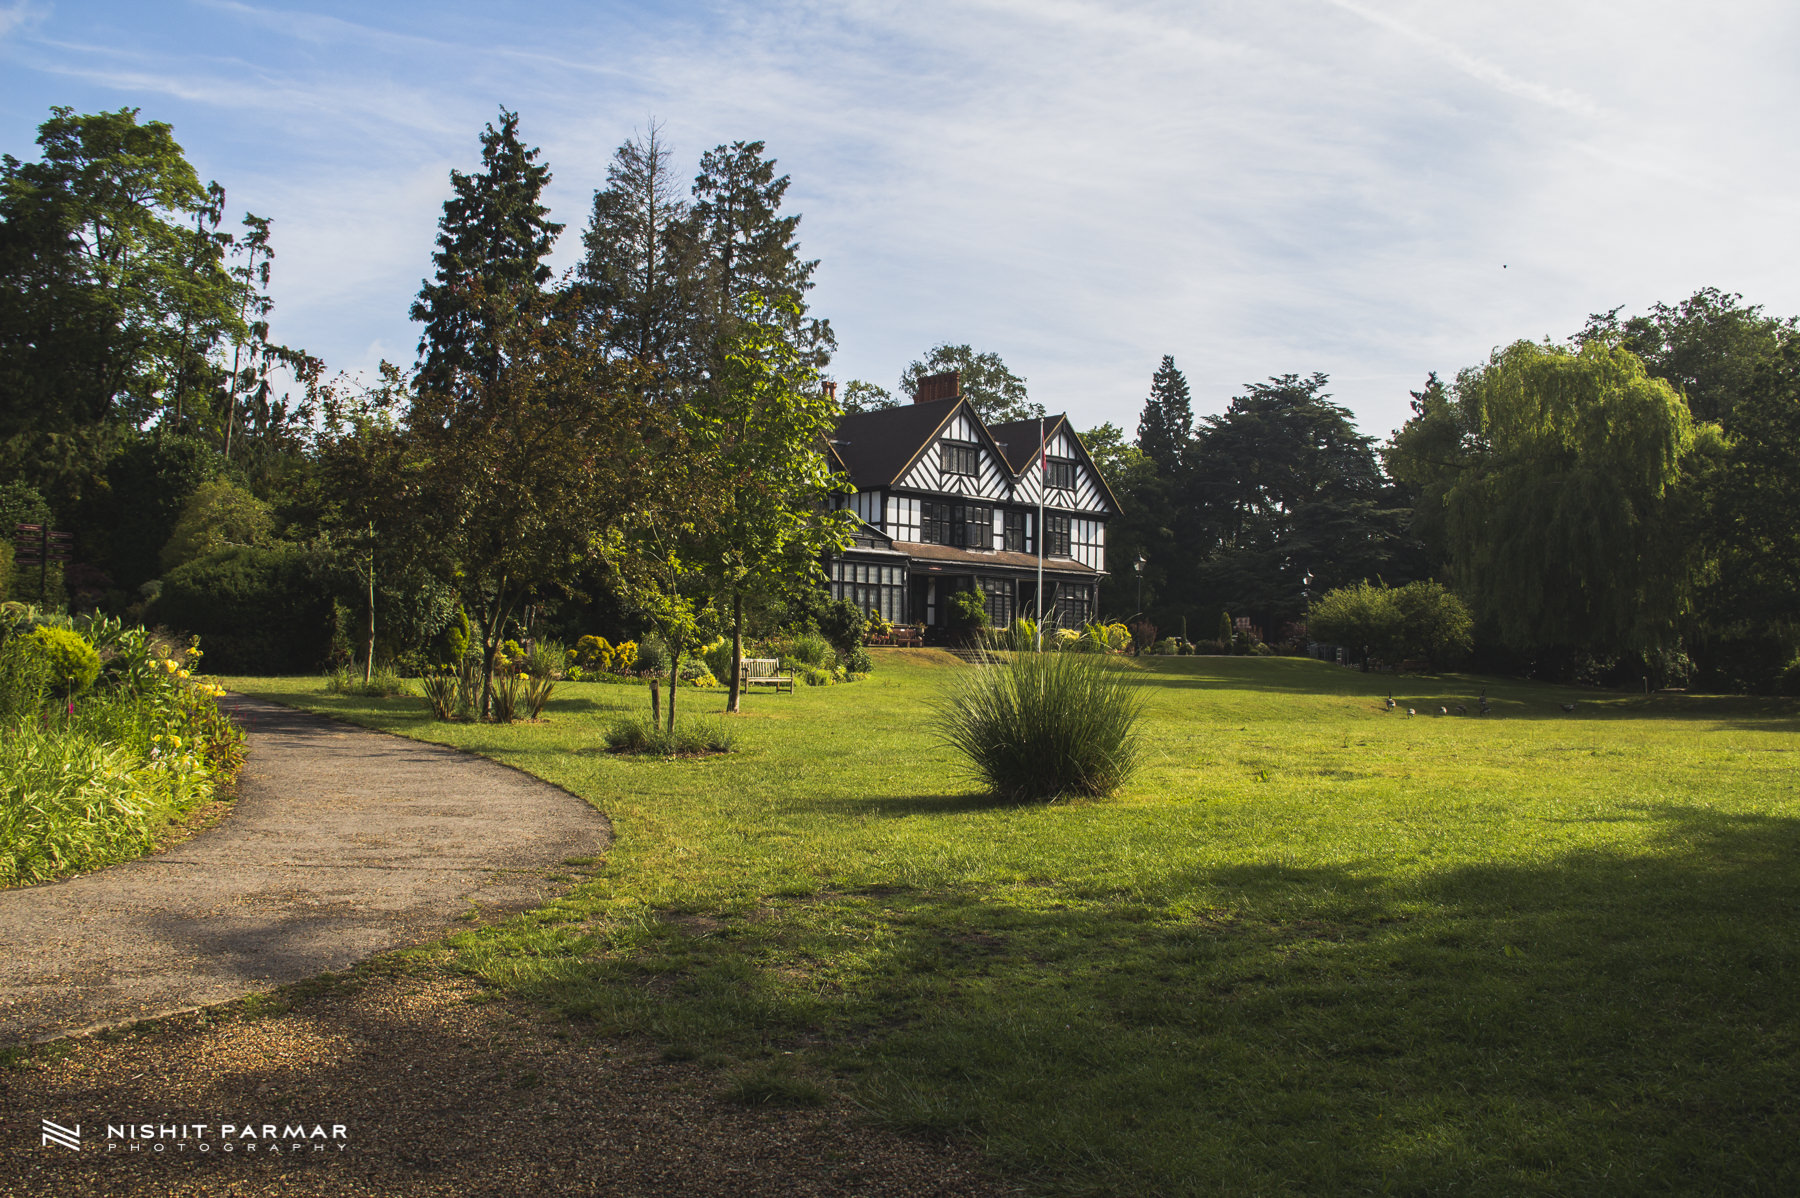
(909, 638)
(765, 671)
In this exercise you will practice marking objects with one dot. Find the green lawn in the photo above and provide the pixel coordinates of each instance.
(1315, 947)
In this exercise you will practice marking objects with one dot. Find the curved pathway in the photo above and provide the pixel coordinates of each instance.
(343, 843)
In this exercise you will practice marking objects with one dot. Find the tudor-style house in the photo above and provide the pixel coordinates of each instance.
(948, 504)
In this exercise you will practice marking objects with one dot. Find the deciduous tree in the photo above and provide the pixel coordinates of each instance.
(112, 273)
(519, 477)
(1555, 470)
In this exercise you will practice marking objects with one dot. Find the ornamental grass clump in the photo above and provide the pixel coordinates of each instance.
(1039, 725)
(690, 738)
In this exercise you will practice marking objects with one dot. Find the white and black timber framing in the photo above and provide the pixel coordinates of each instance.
(949, 504)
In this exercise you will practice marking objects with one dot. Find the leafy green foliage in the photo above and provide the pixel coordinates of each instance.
(113, 274)
(1284, 486)
(97, 781)
(70, 663)
(1557, 472)
(1419, 621)
(859, 395)
(1040, 725)
(258, 608)
(1753, 497)
(1709, 347)
(967, 612)
(217, 516)
(24, 680)
(844, 624)
(515, 482)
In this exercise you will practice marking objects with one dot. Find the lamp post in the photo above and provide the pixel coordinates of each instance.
(1140, 577)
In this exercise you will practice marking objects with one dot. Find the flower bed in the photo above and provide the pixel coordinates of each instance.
(93, 774)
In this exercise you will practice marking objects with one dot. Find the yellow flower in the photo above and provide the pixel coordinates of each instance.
(181, 673)
(524, 677)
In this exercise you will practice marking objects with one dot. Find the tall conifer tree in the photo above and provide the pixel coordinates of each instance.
(638, 274)
(748, 249)
(1167, 422)
(492, 242)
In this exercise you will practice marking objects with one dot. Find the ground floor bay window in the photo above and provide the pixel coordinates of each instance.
(873, 586)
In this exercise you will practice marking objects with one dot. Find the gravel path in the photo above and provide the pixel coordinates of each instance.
(343, 843)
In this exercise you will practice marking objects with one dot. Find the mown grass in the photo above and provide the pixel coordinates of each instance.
(1312, 947)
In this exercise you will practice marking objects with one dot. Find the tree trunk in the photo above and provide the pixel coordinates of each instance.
(737, 650)
(655, 701)
(369, 657)
(674, 682)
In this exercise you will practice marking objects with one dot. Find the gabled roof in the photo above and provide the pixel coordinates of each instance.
(1019, 440)
(877, 448)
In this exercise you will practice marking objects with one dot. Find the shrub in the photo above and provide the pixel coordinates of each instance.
(690, 738)
(1045, 724)
(717, 657)
(546, 659)
(810, 649)
(652, 656)
(1420, 619)
(384, 681)
(453, 642)
(71, 663)
(260, 609)
(511, 654)
(817, 677)
(968, 612)
(507, 689)
(858, 661)
(24, 681)
(217, 515)
(440, 694)
(592, 653)
(624, 658)
(538, 688)
(844, 624)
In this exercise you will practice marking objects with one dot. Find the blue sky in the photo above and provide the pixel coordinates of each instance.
(1369, 188)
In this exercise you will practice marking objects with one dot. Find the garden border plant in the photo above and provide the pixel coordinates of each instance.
(106, 739)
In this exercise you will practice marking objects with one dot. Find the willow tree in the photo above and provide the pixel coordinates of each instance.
(1558, 473)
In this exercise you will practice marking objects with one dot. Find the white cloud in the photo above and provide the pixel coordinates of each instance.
(1080, 187)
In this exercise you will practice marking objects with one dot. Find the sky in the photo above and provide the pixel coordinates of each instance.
(1372, 189)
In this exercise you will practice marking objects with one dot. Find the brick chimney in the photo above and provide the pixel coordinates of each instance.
(932, 388)
(831, 391)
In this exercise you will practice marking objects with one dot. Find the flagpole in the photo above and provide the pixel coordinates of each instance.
(1043, 478)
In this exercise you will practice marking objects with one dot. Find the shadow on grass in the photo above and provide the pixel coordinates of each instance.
(901, 806)
(1603, 1021)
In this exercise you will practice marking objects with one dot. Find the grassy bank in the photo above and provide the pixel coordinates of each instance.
(1313, 947)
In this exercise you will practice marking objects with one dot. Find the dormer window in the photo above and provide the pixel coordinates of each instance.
(960, 457)
(1062, 474)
